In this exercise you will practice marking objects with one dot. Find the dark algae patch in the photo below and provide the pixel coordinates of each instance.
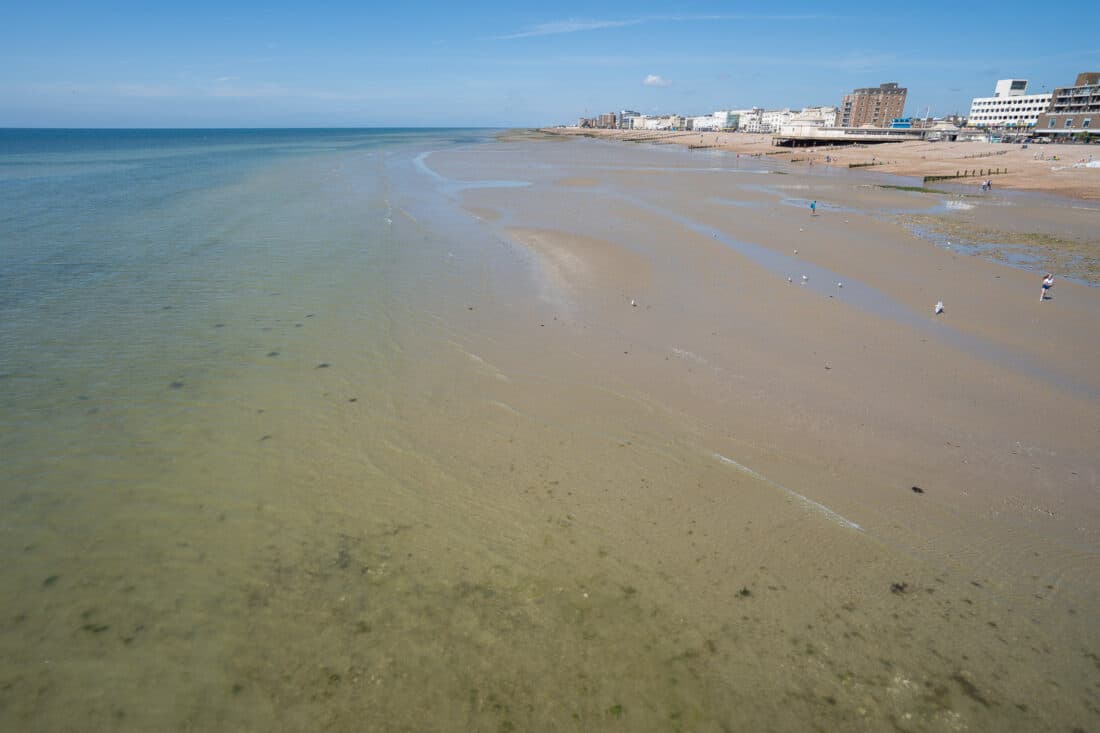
(1076, 257)
(913, 189)
(969, 689)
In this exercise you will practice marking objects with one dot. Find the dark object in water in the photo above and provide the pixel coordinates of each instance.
(176, 385)
(899, 587)
(322, 365)
(918, 490)
(744, 592)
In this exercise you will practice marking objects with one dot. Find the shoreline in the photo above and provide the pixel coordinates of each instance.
(1018, 229)
(1044, 167)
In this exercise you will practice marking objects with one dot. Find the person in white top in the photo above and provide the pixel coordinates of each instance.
(1048, 283)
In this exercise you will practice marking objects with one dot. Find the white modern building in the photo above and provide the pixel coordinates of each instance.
(663, 122)
(631, 120)
(749, 120)
(1010, 106)
(720, 120)
(703, 123)
(820, 116)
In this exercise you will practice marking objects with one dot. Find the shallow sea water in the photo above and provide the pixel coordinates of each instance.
(285, 449)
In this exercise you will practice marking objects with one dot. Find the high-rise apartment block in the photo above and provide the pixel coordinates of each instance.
(1073, 110)
(875, 106)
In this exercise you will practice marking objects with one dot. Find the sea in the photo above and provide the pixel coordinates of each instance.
(222, 355)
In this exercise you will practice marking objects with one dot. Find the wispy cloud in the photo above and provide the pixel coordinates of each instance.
(653, 80)
(578, 26)
(570, 26)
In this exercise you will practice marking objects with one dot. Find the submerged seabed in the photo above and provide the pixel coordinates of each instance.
(263, 472)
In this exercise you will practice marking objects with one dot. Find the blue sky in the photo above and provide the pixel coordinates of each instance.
(226, 64)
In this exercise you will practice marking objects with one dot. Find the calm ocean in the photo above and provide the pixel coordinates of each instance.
(210, 418)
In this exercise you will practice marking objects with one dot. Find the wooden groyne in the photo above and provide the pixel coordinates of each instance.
(969, 174)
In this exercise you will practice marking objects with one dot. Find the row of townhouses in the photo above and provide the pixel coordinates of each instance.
(745, 120)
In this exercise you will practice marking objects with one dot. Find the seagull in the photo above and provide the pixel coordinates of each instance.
(796, 251)
(790, 280)
(939, 307)
(805, 278)
(634, 302)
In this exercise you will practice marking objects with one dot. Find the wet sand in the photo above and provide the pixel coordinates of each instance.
(966, 604)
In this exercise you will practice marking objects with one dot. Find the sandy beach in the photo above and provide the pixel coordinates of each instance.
(531, 432)
(940, 470)
(1046, 167)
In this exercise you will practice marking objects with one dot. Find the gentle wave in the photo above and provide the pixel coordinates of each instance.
(807, 502)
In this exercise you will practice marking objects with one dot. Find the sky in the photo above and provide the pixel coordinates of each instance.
(509, 64)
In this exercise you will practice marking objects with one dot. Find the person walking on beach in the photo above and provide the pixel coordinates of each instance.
(813, 208)
(1048, 283)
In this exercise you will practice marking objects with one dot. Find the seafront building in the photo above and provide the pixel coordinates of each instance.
(873, 106)
(702, 123)
(1010, 106)
(1073, 111)
(814, 116)
(607, 121)
(757, 120)
(627, 119)
(720, 120)
(750, 120)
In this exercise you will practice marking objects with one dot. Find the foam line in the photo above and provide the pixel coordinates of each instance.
(806, 502)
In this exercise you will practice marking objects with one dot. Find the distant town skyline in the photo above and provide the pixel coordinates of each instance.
(205, 64)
